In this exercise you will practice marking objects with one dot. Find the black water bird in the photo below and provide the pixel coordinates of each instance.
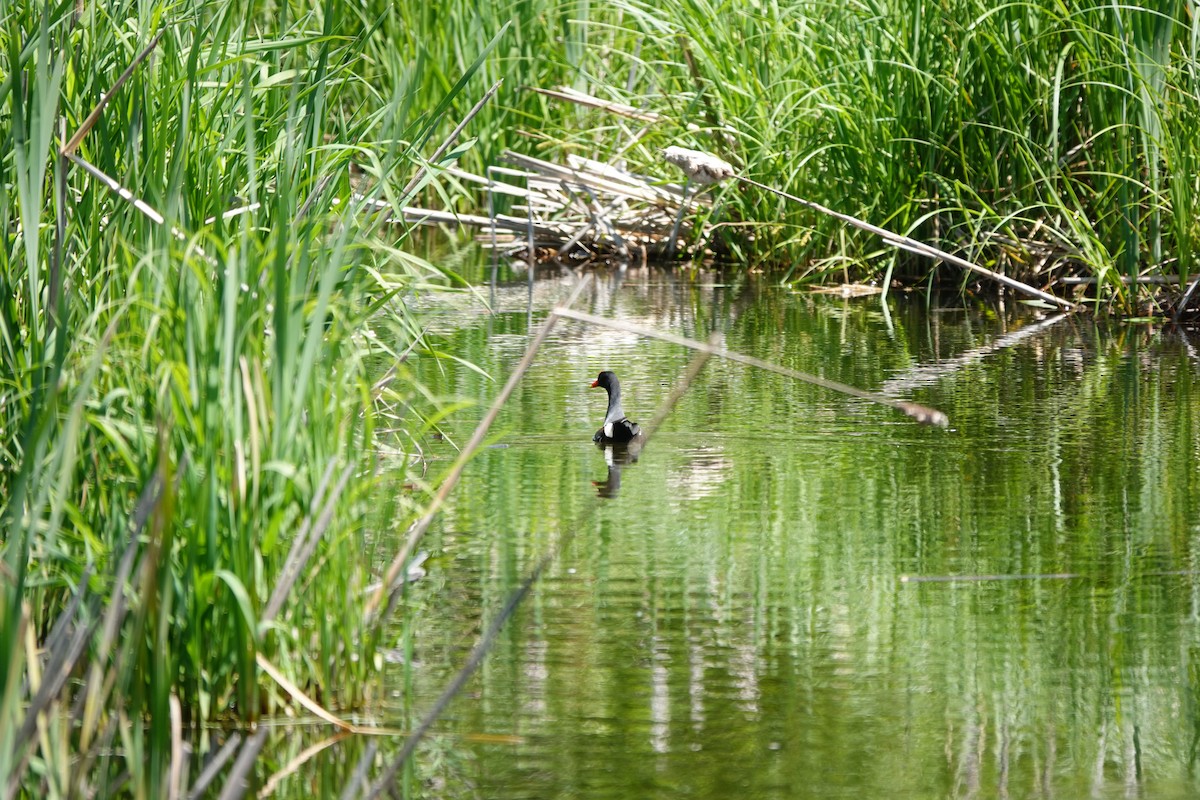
(617, 429)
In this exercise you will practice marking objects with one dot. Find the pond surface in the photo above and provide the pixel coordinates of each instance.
(793, 593)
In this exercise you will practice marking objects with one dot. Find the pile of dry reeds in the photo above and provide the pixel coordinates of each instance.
(582, 211)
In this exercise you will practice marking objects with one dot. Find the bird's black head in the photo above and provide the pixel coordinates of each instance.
(605, 380)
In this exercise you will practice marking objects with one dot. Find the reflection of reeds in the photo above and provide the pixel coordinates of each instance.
(391, 580)
(385, 781)
(1072, 454)
(387, 778)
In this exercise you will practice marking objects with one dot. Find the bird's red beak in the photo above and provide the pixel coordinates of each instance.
(595, 384)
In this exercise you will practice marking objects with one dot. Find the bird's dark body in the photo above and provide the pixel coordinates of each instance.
(617, 428)
(619, 432)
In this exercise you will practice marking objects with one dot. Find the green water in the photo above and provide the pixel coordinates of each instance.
(797, 594)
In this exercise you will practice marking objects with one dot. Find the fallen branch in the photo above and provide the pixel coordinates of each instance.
(920, 248)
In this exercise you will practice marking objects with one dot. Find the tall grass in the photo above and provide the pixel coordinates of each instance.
(189, 419)
(189, 413)
(1025, 134)
(1038, 138)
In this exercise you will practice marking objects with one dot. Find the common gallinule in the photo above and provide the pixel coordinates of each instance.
(617, 429)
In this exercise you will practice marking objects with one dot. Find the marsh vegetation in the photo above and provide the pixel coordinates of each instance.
(218, 393)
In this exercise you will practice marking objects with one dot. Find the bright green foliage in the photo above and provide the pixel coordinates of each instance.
(189, 413)
(1031, 137)
(184, 402)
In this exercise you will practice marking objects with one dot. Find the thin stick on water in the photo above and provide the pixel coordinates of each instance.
(480, 651)
(1052, 576)
(704, 168)
(1031, 576)
(422, 525)
(923, 414)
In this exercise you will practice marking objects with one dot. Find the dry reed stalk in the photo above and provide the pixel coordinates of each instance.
(90, 121)
(297, 694)
(922, 414)
(424, 216)
(386, 780)
(1140, 280)
(590, 101)
(419, 527)
(920, 248)
(680, 388)
(584, 205)
(451, 139)
(305, 542)
(214, 766)
(1187, 298)
(359, 776)
(238, 782)
(705, 168)
(609, 181)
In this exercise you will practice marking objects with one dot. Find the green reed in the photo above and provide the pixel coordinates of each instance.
(190, 418)
(1036, 137)
(189, 426)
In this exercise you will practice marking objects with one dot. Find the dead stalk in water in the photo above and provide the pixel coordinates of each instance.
(922, 414)
(422, 525)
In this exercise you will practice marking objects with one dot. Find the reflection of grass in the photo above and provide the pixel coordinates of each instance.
(189, 425)
(769, 607)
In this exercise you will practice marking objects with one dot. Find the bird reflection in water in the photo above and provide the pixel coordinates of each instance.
(616, 457)
(620, 438)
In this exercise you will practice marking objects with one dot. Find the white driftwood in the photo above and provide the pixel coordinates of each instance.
(701, 167)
